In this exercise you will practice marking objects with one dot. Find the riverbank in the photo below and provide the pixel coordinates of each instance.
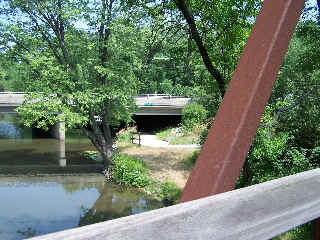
(164, 163)
(35, 170)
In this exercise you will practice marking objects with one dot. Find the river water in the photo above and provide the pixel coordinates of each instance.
(18, 146)
(45, 203)
(31, 206)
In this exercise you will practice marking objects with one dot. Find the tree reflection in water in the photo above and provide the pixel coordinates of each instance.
(116, 202)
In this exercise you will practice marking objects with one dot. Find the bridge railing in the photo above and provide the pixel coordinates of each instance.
(261, 212)
(13, 93)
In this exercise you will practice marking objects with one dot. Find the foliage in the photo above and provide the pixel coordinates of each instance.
(185, 139)
(302, 232)
(130, 171)
(164, 134)
(205, 132)
(169, 191)
(287, 141)
(180, 135)
(275, 153)
(193, 114)
(298, 86)
(93, 155)
(124, 136)
(192, 159)
(73, 74)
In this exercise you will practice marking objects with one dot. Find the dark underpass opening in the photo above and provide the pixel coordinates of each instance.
(154, 123)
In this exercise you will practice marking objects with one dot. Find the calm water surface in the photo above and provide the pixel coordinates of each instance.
(32, 206)
(19, 146)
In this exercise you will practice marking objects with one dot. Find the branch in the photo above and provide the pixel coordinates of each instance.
(299, 100)
(45, 37)
(203, 51)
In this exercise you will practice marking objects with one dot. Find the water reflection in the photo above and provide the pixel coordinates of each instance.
(36, 206)
(9, 130)
(18, 146)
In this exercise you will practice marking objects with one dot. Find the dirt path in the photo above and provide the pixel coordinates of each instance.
(164, 163)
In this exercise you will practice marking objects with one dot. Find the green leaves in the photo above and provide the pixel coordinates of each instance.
(193, 114)
(130, 171)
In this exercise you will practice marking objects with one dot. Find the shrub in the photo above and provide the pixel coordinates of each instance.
(192, 115)
(125, 136)
(192, 159)
(205, 132)
(170, 192)
(164, 134)
(129, 171)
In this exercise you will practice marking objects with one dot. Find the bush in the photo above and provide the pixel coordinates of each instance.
(205, 132)
(125, 136)
(192, 115)
(164, 134)
(129, 171)
(170, 192)
(192, 159)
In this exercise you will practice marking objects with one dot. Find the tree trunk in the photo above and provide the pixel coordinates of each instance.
(106, 153)
(104, 146)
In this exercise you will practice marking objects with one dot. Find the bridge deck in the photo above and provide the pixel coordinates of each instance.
(149, 104)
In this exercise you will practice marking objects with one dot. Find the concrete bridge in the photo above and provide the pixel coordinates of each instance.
(149, 104)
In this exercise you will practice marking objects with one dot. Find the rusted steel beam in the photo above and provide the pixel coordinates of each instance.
(317, 229)
(223, 155)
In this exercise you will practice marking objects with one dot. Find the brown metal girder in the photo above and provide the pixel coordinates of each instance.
(223, 155)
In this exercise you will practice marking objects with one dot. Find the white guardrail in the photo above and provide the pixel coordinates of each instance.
(261, 212)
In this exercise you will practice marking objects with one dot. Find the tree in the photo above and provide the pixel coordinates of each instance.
(287, 140)
(221, 30)
(298, 86)
(76, 75)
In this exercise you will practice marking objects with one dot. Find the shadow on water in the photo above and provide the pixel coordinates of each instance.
(20, 145)
(32, 206)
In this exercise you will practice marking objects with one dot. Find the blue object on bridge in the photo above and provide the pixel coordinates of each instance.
(148, 104)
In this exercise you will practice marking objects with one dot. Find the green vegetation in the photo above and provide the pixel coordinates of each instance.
(193, 117)
(193, 114)
(288, 139)
(304, 232)
(125, 48)
(165, 134)
(170, 192)
(182, 136)
(130, 171)
(90, 58)
(192, 159)
(93, 155)
(178, 136)
(124, 137)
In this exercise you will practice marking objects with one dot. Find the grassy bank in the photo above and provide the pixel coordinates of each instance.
(181, 136)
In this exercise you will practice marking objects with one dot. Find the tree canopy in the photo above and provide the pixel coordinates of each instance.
(87, 59)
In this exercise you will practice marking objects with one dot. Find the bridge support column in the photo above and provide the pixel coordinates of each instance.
(58, 131)
(62, 154)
